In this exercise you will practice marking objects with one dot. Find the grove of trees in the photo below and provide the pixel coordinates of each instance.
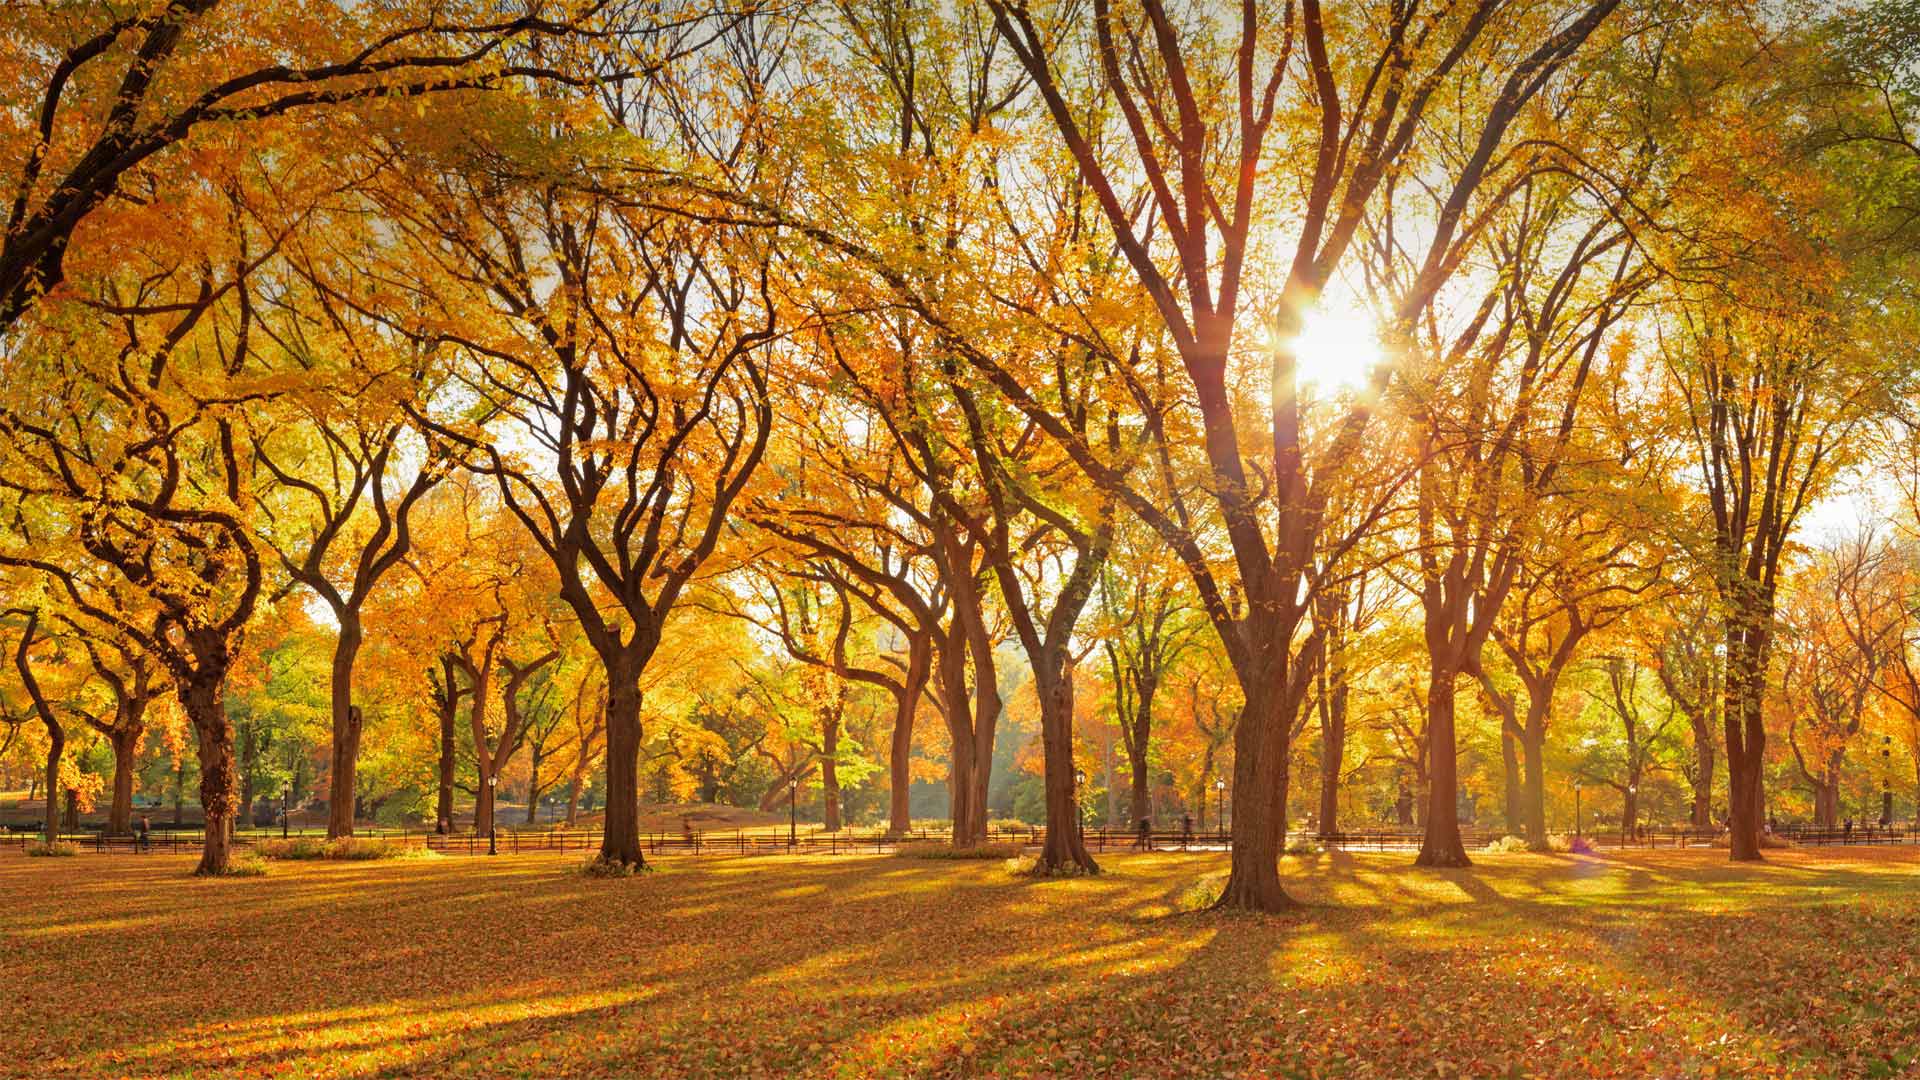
(1398, 414)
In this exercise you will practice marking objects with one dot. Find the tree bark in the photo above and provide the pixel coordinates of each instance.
(1510, 773)
(1533, 743)
(347, 722)
(1138, 799)
(1441, 845)
(1333, 753)
(900, 754)
(443, 806)
(203, 700)
(124, 740)
(830, 783)
(1259, 769)
(1746, 733)
(56, 746)
(620, 838)
(1065, 847)
(1703, 750)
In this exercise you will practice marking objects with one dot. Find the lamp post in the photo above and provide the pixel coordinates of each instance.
(1079, 811)
(1886, 780)
(493, 798)
(793, 812)
(286, 808)
(1220, 793)
(1576, 809)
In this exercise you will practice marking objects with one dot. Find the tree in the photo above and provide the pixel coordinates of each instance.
(349, 521)
(1145, 624)
(113, 88)
(133, 684)
(639, 390)
(1202, 166)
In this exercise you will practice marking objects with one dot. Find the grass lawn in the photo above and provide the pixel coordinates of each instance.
(1669, 964)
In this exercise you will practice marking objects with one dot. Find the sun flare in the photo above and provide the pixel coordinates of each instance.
(1337, 348)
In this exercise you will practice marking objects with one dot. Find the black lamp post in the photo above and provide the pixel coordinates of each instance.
(1886, 780)
(1079, 811)
(1576, 809)
(493, 799)
(286, 808)
(793, 813)
(1220, 792)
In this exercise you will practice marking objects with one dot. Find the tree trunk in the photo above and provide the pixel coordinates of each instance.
(56, 746)
(1630, 812)
(1333, 756)
(1138, 798)
(620, 838)
(443, 806)
(1746, 734)
(1703, 751)
(179, 789)
(202, 700)
(347, 722)
(1065, 848)
(533, 786)
(900, 755)
(1510, 771)
(829, 795)
(1259, 768)
(1533, 744)
(483, 797)
(1441, 845)
(124, 739)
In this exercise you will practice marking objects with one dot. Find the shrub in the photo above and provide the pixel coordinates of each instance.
(1506, 845)
(246, 866)
(347, 848)
(1028, 866)
(1301, 844)
(598, 867)
(57, 849)
(1202, 893)
(931, 850)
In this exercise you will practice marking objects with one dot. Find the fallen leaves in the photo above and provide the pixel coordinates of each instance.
(1659, 965)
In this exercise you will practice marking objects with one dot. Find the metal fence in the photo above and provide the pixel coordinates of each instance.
(816, 841)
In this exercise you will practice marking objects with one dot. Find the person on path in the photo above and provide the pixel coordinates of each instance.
(1143, 838)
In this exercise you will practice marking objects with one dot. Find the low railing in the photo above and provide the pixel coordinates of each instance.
(816, 841)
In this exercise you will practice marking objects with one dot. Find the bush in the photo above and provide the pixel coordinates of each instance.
(58, 849)
(347, 848)
(926, 849)
(1506, 845)
(1028, 866)
(598, 867)
(1301, 844)
(246, 866)
(1570, 845)
(1201, 894)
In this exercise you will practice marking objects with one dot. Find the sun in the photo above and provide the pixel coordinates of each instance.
(1338, 348)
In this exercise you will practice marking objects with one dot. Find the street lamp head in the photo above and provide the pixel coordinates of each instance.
(1219, 785)
(493, 781)
(1079, 777)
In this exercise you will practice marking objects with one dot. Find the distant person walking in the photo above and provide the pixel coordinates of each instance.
(1143, 835)
(145, 840)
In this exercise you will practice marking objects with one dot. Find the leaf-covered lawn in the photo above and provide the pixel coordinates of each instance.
(1671, 964)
